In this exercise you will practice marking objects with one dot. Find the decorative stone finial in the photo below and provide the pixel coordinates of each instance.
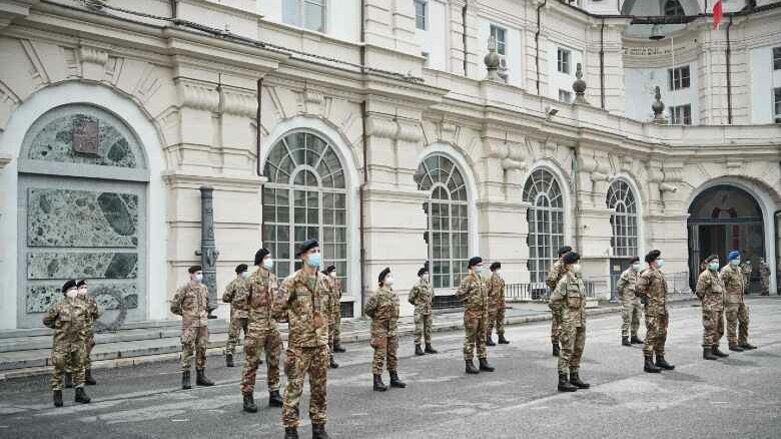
(579, 86)
(492, 61)
(658, 107)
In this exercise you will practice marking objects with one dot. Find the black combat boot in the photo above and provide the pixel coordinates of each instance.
(331, 363)
(81, 396)
(200, 378)
(291, 433)
(338, 348)
(58, 398)
(470, 367)
(484, 366)
(625, 341)
(649, 365)
(661, 362)
(318, 431)
(249, 403)
(274, 399)
(574, 379)
(746, 346)
(229, 360)
(489, 341)
(503, 340)
(556, 349)
(718, 353)
(395, 381)
(429, 349)
(186, 385)
(736, 348)
(707, 354)
(68, 380)
(88, 380)
(636, 340)
(378, 384)
(565, 385)
(418, 350)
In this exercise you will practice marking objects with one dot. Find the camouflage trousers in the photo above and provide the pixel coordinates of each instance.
(555, 328)
(474, 334)
(656, 332)
(385, 348)
(631, 315)
(195, 340)
(89, 344)
(234, 332)
(712, 328)
(496, 318)
(423, 324)
(765, 283)
(254, 345)
(573, 340)
(298, 363)
(73, 355)
(737, 319)
(336, 325)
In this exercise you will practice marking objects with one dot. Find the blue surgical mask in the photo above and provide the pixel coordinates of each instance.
(659, 263)
(636, 267)
(199, 278)
(713, 266)
(314, 260)
(735, 262)
(268, 264)
(479, 269)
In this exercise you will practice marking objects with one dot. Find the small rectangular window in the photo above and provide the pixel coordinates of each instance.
(678, 78)
(777, 58)
(565, 96)
(500, 34)
(421, 12)
(777, 104)
(309, 14)
(563, 58)
(681, 115)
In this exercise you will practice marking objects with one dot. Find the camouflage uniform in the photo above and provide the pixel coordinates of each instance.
(473, 291)
(68, 319)
(236, 294)
(383, 308)
(495, 305)
(653, 287)
(736, 311)
(555, 274)
(632, 311)
(764, 276)
(334, 310)
(261, 333)
(190, 302)
(93, 313)
(569, 299)
(710, 290)
(745, 269)
(302, 301)
(422, 297)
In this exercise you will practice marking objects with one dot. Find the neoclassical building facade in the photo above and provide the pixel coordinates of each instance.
(356, 130)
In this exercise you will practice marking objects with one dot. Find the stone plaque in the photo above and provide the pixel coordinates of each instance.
(86, 136)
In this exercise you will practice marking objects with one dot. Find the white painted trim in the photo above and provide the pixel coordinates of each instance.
(564, 184)
(639, 202)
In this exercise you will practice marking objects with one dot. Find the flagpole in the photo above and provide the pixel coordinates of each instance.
(672, 92)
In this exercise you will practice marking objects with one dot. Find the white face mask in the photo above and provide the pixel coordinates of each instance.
(245, 275)
(199, 278)
(575, 268)
(333, 274)
(659, 263)
(268, 264)
(498, 272)
(72, 293)
(388, 281)
(479, 269)
(636, 267)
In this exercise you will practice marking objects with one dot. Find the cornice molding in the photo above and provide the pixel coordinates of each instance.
(198, 95)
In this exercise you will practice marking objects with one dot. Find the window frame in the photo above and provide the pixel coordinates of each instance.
(563, 60)
(501, 44)
(679, 78)
(624, 219)
(777, 104)
(301, 14)
(681, 114)
(776, 58)
(567, 94)
(673, 8)
(424, 5)
(543, 191)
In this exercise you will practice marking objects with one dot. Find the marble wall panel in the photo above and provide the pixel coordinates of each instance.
(93, 265)
(41, 297)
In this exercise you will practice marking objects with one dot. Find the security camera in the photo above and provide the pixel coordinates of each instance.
(550, 112)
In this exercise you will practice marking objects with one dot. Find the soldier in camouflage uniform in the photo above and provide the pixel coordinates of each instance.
(422, 296)
(496, 305)
(261, 333)
(191, 302)
(554, 275)
(383, 308)
(68, 318)
(570, 300)
(473, 291)
(736, 310)
(335, 328)
(236, 294)
(764, 276)
(710, 290)
(652, 289)
(93, 313)
(745, 269)
(632, 311)
(334, 296)
(302, 301)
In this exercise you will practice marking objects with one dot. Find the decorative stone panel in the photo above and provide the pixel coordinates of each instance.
(57, 265)
(42, 297)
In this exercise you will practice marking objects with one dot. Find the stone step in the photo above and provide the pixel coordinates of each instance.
(146, 324)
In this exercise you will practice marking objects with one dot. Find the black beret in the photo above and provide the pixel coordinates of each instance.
(68, 285)
(241, 268)
(711, 258)
(194, 268)
(422, 271)
(571, 258)
(634, 259)
(329, 269)
(564, 250)
(81, 283)
(496, 265)
(652, 255)
(260, 254)
(474, 261)
(383, 273)
(307, 245)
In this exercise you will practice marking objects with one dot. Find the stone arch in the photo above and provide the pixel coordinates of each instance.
(640, 200)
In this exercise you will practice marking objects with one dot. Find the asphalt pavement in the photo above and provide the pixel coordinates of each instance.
(736, 397)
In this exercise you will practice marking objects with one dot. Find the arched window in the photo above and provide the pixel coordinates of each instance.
(448, 220)
(546, 222)
(305, 198)
(621, 201)
(673, 8)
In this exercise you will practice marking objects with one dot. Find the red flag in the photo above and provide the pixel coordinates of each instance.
(717, 12)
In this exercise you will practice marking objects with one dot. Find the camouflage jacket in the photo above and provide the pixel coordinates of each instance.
(383, 308)
(422, 296)
(764, 270)
(93, 311)
(555, 274)
(710, 290)
(302, 301)
(262, 291)
(191, 302)
(237, 294)
(627, 285)
(569, 297)
(495, 291)
(734, 282)
(334, 295)
(68, 319)
(652, 285)
(473, 291)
